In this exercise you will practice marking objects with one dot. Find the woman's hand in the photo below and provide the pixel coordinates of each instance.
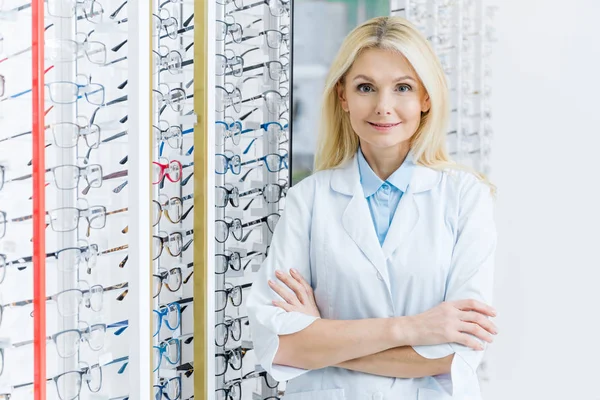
(450, 321)
(301, 299)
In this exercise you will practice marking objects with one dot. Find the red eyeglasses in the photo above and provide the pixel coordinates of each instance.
(171, 169)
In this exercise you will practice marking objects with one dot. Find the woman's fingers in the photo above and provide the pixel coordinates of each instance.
(477, 318)
(475, 330)
(469, 341)
(282, 304)
(297, 276)
(290, 298)
(292, 284)
(474, 305)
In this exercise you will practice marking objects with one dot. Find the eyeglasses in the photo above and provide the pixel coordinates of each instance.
(165, 59)
(229, 129)
(66, 219)
(231, 326)
(172, 134)
(224, 163)
(231, 358)
(67, 50)
(273, 161)
(271, 221)
(224, 195)
(170, 349)
(273, 38)
(271, 192)
(174, 97)
(228, 98)
(172, 241)
(232, 390)
(172, 279)
(273, 99)
(223, 228)
(68, 301)
(2, 224)
(67, 92)
(172, 208)
(234, 293)
(92, 9)
(277, 8)
(170, 313)
(172, 170)
(234, 29)
(232, 260)
(68, 341)
(2, 267)
(169, 388)
(68, 384)
(269, 381)
(70, 258)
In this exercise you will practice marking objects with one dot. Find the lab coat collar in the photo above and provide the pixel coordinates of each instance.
(371, 183)
(346, 178)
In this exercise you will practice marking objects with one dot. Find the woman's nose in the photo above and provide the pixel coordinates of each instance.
(383, 106)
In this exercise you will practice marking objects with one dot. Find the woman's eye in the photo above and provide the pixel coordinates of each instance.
(365, 88)
(404, 88)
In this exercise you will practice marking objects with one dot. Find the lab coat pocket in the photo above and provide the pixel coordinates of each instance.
(327, 394)
(430, 394)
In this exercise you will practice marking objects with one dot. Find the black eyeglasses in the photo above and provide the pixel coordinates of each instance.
(233, 293)
(172, 279)
(224, 195)
(271, 193)
(172, 241)
(231, 358)
(223, 228)
(231, 327)
(270, 382)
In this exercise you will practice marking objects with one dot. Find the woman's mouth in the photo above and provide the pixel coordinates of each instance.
(383, 127)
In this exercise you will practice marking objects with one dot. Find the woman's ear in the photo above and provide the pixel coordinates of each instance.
(426, 104)
(342, 96)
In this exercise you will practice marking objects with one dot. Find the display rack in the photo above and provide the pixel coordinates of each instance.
(461, 33)
(133, 195)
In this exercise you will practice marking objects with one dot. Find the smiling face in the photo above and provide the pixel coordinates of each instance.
(384, 99)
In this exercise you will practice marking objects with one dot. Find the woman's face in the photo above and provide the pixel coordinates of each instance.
(384, 99)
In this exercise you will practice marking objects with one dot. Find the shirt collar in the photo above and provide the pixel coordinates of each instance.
(371, 182)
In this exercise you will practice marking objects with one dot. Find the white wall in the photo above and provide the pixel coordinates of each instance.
(546, 118)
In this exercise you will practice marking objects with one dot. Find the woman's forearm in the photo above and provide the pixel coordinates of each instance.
(326, 342)
(399, 362)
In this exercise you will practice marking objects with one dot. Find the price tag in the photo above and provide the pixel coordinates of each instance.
(188, 119)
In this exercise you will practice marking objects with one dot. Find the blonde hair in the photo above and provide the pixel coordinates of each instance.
(337, 141)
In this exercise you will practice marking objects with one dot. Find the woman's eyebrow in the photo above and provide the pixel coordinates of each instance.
(402, 78)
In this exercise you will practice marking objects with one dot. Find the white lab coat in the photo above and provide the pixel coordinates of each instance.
(441, 245)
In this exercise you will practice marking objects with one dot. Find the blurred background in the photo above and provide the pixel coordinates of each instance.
(543, 75)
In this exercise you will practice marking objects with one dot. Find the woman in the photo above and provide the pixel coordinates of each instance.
(380, 272)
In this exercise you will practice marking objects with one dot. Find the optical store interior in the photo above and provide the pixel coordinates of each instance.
(147, 153)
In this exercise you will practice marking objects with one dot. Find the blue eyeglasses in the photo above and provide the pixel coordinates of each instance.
(170, 313)
(170, 389)
(224, 163)
(170, 349)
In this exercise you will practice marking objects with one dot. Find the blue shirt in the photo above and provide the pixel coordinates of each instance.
(383, 197)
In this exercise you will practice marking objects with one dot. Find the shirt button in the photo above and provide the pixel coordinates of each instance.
(378, 396)
(385, 187)
(379, 276)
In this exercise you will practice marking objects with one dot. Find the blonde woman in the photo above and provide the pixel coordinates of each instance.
(379, 278)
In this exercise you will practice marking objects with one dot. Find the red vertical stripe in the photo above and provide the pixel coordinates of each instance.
(39, 210)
